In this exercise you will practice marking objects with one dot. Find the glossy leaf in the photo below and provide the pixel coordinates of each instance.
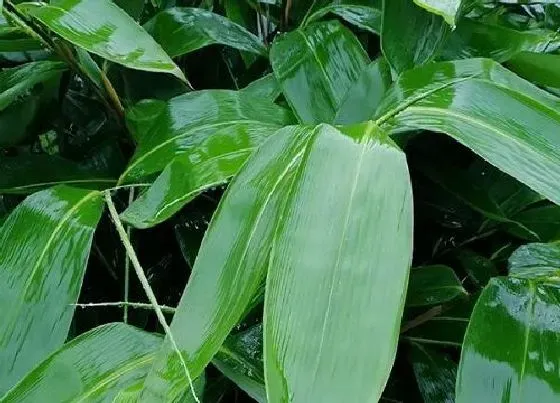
(410, 35)
(510, 349)
(356, 261)
(266, 87)
(448, 9)
(217, 122)
(19, 81)
(364, 96)
(316, 67)
(435, 374)
(431, 285)
(240, 359)
(30, 173)
(92, 367)
(482, 39)
(516, 130)
(223, 284)
(45, 247)
(182, 30)
(365, 14)
(113, 34)
(539, 68)
(535, 260)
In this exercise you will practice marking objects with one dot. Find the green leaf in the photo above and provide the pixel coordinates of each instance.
(364, 96)
(91, 367)
(134, 8)
(542, 223)
(535, 260)
(506, 120)
(431, 285)
(410, 35)
(539, 68)
(510, 349)
(223, 284)
(19, 81)
(45, 247)
(365, 14)
(448, 9)
(182, 30)
(479, 268)
(240, 359)
(218, 121)
(316, 66)
(30, 173)
(113, 34)
(435, 374)
(266, 87)
(349, 271)
(482, 39)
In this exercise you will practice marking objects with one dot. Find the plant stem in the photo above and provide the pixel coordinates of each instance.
(138, 305)
(146, 285)
(127, 265)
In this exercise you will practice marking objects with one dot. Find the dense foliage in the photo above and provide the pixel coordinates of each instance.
(279, 201)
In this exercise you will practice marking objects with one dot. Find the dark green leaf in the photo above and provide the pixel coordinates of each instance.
(30, 173)
(267, 87)
(536, 260)
(349, 272)
(410, 35)
(543, 223)
(134, 8)
(539, 68)
(448, 9)
(182, 30)
(479, 268)
(113, 34)
(511, 345)
(431, 285)
(217, 121)
(316, 67)
(365, 14)
(45, 247)
(240, 359)
(506, 120)
(92, 367)
(435, 374)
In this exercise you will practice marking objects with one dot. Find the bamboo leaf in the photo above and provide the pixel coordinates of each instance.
(516, 130)
(316, 67)
(183, 30)
(45, 247)
(448, 9)
(92, 367)
(356, 261)
(365, 14)
(113, 34)
(509, 352)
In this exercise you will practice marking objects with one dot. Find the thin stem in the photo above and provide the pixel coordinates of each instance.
(423, 318)
(137, 305)
(127, 265)
(146, 285)
(112, 94)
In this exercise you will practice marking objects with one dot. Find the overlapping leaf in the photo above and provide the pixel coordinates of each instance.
(365, 14)
(45, 247)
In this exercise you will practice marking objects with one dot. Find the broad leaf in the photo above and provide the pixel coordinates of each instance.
(365, 14)
(223, 284)
(316, 67)
(410, 35)
(539, 68)
(543, 223)
(266, 87)
(113, 34)
(356, 262)
(435, 374)
(30, 173)
(182, 30)
(217, 121)
(431, 285)
(92, 367)
(448, 9)
(516, 130)
(240, 359)
(45, 247)
(511, 346)
(482, 39)
(536, 260)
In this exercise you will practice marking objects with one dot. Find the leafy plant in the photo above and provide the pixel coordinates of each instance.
(210, 201)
